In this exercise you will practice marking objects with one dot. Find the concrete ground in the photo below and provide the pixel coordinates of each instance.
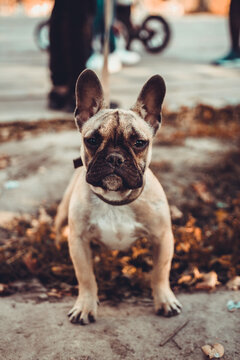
(32, 329)
(35, 329)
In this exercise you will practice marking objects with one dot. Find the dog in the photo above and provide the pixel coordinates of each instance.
(114, 197)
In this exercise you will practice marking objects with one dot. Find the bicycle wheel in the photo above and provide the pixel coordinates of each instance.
(41, 35)
(155, 33)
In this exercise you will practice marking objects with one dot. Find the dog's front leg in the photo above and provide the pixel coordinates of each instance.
(164, 300)
(85, 308)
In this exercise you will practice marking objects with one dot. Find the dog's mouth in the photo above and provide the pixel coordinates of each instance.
(124, 178)
(112, 182)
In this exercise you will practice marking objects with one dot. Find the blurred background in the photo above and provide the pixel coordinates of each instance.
(199, 34)
(36, 8)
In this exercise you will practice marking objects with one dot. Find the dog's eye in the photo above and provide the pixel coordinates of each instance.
(140, 144)
(93, 141)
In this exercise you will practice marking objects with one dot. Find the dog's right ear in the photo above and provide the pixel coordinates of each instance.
(89, 97)
(149, 102)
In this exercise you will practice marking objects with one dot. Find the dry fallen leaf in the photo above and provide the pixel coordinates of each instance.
(175, 212)
(209, 281)
(4, 161)
(185, 279)
(61, 270)
(54, 293)
(65, 232)
(183, 246)
(196, 273)
(234, 284)
(203, 193)
(224, 261)
(7, 217)
(213, 352)
(3, 288)
(30, 262)
(44, 218)
(221, 215)
(136, 251)
(129, 270)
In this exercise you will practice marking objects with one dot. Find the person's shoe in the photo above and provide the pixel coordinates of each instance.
(232, 58)
(70, 104)
(57, 98)
(128, 57)
(114, 63)
(114, 105)
(95, 62)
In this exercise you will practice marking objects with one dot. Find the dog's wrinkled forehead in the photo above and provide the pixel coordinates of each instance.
(110, 123)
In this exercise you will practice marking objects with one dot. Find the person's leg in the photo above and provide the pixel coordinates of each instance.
(234, 23)
(123, 14)
(77, 45)
(70, 46)
(57, 63)
(233, 56)
(95, 62)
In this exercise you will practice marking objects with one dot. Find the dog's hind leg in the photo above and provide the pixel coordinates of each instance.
(62, 210)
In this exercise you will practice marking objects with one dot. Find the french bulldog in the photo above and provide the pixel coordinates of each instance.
(114, 197)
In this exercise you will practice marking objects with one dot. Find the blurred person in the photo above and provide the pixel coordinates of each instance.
(123, 14)
(70, 46)
(95, 62)
(233, 56)
(118, 55)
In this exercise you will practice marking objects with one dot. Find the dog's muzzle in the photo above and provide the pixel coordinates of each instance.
(114, 173)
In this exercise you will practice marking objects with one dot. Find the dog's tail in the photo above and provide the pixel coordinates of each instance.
(62, 210)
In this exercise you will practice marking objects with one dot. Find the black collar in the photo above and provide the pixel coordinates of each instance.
(77, 162)
(126, 201)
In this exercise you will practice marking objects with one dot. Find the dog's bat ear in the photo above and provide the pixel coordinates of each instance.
(89, 97)
(149, 102)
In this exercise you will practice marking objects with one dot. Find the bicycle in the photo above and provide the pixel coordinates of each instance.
(153, 30)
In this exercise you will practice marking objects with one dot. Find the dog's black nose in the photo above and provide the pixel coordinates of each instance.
(115, 159)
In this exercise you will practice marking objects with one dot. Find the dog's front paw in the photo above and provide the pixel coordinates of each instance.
(84, 311)
(166, 303)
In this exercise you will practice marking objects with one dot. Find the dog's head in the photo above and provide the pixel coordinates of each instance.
(116, 144)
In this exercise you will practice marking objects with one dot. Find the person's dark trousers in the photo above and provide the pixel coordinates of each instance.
(123, 14)
(70, 40)
(234, 22)
(99, 27)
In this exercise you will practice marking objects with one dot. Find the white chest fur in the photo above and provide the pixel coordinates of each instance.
(117, 225)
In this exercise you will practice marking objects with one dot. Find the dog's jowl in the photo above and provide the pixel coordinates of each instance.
(114, 197)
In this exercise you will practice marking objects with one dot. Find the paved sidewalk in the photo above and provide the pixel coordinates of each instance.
(196, 40)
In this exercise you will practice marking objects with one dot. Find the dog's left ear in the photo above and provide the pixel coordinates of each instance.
(149, 102)
(89, 97)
